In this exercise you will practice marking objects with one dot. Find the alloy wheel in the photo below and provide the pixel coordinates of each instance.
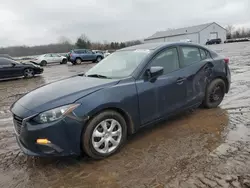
(99, 59)
(106, 136)
(78, 61)
(28, 73)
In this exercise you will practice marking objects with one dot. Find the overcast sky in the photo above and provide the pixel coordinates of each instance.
(32, 22)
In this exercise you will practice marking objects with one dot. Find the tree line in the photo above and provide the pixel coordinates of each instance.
(233, 32)
(65, 45)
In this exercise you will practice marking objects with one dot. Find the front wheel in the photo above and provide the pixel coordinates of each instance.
(28, 73)
(215, 93)
(104, 135)
(64, 61)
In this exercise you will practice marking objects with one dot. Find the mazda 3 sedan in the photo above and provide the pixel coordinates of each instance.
(93, 113)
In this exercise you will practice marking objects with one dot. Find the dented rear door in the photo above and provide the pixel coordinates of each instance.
(197, 67)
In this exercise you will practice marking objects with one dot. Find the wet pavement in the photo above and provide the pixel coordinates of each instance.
(203, 148)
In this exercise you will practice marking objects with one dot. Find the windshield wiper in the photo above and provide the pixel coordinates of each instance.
(97, 76)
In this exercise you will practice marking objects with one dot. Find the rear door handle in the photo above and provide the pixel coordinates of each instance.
(180, 81)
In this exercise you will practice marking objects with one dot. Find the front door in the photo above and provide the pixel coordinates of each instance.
(167, 93)
(56, 58)
(90, 55)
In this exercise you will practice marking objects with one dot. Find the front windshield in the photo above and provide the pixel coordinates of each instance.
(119, 64)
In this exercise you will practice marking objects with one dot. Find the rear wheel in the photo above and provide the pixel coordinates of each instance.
(215, 93)
(78, 61)
(98, 59)
(43, 63)
(104, 135)
(28, 73)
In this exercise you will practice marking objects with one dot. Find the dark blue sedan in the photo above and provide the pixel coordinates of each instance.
(93, 113)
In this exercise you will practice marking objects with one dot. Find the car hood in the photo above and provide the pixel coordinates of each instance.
(30, 63)
(62, 92)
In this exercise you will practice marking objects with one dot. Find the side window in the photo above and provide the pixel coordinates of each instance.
(5, 62)
(88, 52)
(78, 51)
(168, 59)
(190, 55)
(48, 55)
(203, 54)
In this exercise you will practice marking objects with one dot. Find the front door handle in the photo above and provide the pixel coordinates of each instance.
(180, 81)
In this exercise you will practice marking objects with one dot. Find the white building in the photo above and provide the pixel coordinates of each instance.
(197, 34)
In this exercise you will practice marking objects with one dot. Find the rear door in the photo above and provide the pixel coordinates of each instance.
(196, 65)
(49, 58)
(167, 93)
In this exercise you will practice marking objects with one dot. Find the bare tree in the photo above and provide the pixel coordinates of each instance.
(64, 40)
(230, 29)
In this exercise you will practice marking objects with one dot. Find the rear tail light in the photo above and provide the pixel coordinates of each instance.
(226, 60)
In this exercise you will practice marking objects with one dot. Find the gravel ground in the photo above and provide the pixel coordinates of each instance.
(203, 148)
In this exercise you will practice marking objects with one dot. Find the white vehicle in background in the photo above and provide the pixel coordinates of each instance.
(186, 40)
(45, 59)
(98, 52)
(106, 53)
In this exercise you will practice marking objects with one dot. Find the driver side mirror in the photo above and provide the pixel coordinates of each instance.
(154, 72)
(13, 64)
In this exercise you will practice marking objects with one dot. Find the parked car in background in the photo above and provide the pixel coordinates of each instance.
(98, 52)
(78, 56)
(93, 113)
(237, 40)
(106, 53)
(45, 59)
(10, 69)
(213, 41)
(186, 40)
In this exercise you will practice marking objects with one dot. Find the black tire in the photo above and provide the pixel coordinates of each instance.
(64, 61)
(215, 93)
(98, 59)
(87, 145)
(78, 61)
(43, 63)
(28, 73)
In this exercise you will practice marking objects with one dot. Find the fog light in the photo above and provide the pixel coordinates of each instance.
(43, 141)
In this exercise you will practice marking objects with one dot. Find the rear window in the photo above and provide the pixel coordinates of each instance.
(203, 54)
(190, 55)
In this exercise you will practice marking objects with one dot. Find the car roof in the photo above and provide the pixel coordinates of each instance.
(80, 49)
(5, 58)
(155, 46)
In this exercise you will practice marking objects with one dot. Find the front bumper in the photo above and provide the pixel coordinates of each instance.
(39, 71)
(64, 136)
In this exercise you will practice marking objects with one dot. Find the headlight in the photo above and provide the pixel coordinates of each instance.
(54, 114)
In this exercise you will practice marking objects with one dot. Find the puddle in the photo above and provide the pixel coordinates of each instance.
(157, 151)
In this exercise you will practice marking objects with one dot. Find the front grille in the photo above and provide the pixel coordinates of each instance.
(17, 123)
